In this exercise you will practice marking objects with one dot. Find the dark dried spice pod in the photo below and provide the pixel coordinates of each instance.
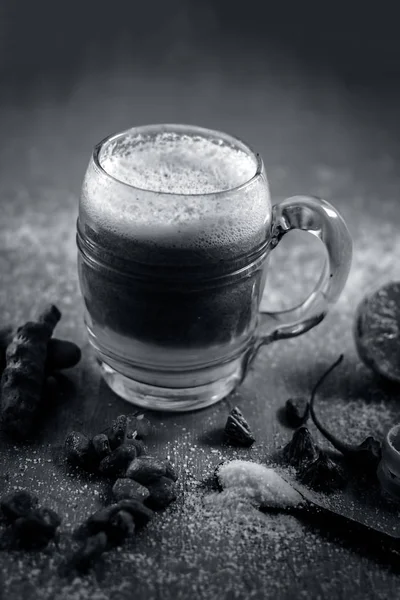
(237, 430)
(100, 520)
(323, 475)
(366, 455)
(146, 469)
(140, 446)
(296, 411)
(37, 528)
(116, 463)
(18, 504)
(122, 525)
(162, 493)
(79, 450)
(117, 431)
(139, 426)
(301, 449)
(141, 514)
(128, 488)
(101, 445)
(91, 551)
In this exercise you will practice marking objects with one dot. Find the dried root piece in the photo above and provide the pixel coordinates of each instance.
(237, 430)
(24, 374)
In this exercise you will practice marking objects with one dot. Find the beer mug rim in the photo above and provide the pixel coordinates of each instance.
(194, 130)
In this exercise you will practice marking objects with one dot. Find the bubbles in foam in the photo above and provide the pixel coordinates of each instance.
(212, 226)
(178, 164)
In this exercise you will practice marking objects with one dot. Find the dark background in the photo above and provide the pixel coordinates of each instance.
(357, 39)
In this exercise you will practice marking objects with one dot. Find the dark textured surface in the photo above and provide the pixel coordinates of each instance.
(316, 136)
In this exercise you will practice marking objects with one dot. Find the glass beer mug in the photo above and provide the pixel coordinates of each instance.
(174, 232)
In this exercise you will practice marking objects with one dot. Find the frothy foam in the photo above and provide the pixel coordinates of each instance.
(177, 164)
(158, 227)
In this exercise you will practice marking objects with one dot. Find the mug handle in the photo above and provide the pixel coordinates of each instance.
(318, 217)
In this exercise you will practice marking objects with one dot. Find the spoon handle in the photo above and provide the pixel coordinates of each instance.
(361, 536)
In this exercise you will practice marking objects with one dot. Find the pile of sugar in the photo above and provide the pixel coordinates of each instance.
(249, 481)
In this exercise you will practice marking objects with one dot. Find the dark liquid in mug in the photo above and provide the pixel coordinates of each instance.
(164, 272)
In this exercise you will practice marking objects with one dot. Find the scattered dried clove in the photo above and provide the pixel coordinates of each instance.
(296, 410)
(366, 455)
(128, 488)
(323, 474)
(237, 430)
(301, 450)
(24, 374)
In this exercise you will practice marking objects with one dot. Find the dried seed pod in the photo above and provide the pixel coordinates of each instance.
(101, 445)
(146, 469)
(139, 426)
(301, 449)
(116, 463)
(18, 504)
(91, 551)
(61, 354)
(296, 410)
(117, 431)
(24, 374)
(37, 528)
(323, 475)
(78, 449)
(366, 455)
(122, 525)
(237, 430)
(162, 493)
(128, 488)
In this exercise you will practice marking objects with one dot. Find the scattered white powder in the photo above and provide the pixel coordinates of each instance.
(260, 485)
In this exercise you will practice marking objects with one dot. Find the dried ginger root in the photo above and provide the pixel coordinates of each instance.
(24, 374)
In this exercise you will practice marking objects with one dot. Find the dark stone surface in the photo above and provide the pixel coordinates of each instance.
(317, 137)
